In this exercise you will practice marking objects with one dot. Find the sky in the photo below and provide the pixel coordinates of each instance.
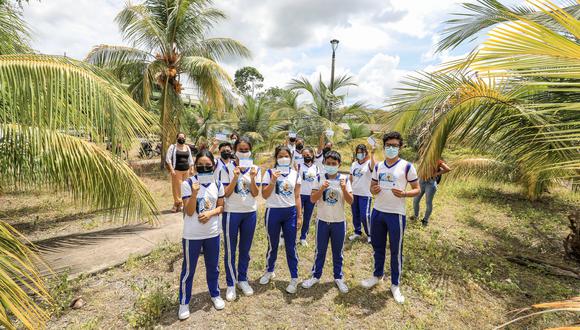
(381, 41)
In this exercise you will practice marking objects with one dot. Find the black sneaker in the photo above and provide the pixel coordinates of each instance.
(424, 223)
(412, 218)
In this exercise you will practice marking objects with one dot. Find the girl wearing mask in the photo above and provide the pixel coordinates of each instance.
(330, 192)
(203, 197)
(360, 175)
(179, 161)
(281, 189)
(297, 157)
(239, 219)
(308, 172)
(226, 155)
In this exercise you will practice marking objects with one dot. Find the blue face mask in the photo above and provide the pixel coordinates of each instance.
(391, 152)
(360, 156)
(332, 170)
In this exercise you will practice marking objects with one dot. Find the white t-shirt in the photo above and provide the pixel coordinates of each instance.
(388, 177)
(221, 171)
(207, 198)
(331, 204)
(308, 175)
(361, 178)
(319, 161)
(241, 200)
(283, 194)
(297, 158)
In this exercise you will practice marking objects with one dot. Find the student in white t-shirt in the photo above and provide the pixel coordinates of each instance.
(323, 148)
(308, 173)
(360, 175)
(239, 219)
(330, 192)
(281, 189)
(389, 183)
(226, 156)
(297, 157)
(203, 199)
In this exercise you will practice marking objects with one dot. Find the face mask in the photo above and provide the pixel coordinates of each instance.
(391, 152)
(299, 147)
(203, 169)
(181, 140)
(325, 150)
(308, 159)
(292, 140)
(284, 161)
(332, 170)
(205, 178)
(360, 156)
(241, 155)
(226, 155)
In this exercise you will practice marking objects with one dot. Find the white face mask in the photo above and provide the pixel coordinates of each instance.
(205, 178)
(241, 155)
(284, 161)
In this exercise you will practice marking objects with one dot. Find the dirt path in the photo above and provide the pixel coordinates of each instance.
(97, 251)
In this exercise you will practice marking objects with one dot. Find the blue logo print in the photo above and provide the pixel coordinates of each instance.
(203, 204)
(283, 188)
(242, 187)
(357, 172)
(330, 196)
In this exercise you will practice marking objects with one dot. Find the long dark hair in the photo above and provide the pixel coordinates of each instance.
(204, 152)
(243, 139)
(280, 149)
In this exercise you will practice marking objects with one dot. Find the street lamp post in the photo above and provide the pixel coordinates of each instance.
(334, 44)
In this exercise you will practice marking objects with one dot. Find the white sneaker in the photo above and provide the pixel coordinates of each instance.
(218, 303)
(281, 243)
(265, 279)
(310, 282)
(370, 282)
(353, 237)
(303, 242)
(293, 286)
(231, 293)
(246, 288)
(341, 285)
(396, 291)
(183, 312)
(369, 240)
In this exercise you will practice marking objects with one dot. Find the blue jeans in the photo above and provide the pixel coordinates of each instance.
(428, 188)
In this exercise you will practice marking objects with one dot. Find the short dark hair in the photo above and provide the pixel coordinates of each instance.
(225, 144)
(243, 139)
(299, 139)
(362, 147)
(333, 155)
(393, 135)
(204, 152)
(234, 134)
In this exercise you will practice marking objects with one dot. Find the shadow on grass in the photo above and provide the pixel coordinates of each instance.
(32, 226)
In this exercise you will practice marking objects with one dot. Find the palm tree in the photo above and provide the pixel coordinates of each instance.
(169, 44)
(14, 33)
(260, 120)
(514, 100)
(43, 100)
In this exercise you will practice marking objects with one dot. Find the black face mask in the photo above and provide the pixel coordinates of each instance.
(325, 150)
(226, 154)
(299, 147)
(181, 140)
(203, 169)
(308, 159)
(292, 140)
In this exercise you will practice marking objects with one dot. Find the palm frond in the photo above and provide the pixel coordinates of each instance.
(14, 31)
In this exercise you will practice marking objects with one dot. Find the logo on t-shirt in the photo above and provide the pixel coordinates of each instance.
(283, 188)
(308, 176)
(203, 204)
(357, 172)
(330, 196)
(242, 187)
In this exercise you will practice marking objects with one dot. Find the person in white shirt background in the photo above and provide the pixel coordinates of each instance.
(389, 182)
(297, 157)
(226, 156)
(330, 192)
(203, 200)
(281, 189)
(323, 148)
(308, 173)
(360, 175)
(239, 218)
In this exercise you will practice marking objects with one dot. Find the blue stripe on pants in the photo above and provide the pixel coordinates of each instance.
(191, 250)
(282, 219)
(361, 213)
(236, 225)
(393, 225)
(335, 232)
(307, 208)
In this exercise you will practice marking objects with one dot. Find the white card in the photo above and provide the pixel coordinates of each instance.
(372, 141)
(221, 137)
(292, 135)
(246, 162)
(386, 185)
(329, 133)
(283, 169)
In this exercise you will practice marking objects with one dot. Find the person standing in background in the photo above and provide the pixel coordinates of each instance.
(179, 162)
(428, 187)
(361, 172)
(308, 173)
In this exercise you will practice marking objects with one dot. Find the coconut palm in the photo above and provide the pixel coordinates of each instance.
(14, 32)
(515, 99)
(169, 44)
(260, 120)
(55, 116)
